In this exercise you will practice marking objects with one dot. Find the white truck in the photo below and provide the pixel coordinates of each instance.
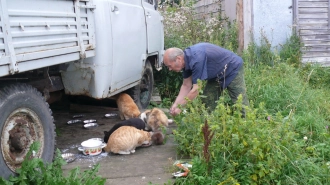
(95, 48)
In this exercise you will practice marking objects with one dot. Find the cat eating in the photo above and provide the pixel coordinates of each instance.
(155, 119)
(127, 107)
(134, 122)
(125, 139)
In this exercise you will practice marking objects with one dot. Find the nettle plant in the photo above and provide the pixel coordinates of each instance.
(251, 150)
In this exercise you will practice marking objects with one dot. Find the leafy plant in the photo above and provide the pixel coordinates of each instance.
(284, 138)
(34, 171)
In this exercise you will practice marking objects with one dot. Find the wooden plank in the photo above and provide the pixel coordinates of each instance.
(239, 15)
(314, 26)
(323, 4)
(313, 21)
(316, 54)
(324, 61)
(313, 16)
(315, 37)
(317, 48)
(319, 43)
(314, 31)
(313, 10)
(328, 14)
(313, 0)
(295, 17)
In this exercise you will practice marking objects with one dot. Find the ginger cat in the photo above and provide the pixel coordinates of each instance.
(127, 107)
(155, 119)
(125, 139)
(134, 122)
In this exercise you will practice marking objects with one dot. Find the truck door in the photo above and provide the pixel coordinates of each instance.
(129, 41)
(154, 26)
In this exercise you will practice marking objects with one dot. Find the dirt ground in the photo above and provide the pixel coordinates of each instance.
(148, 165)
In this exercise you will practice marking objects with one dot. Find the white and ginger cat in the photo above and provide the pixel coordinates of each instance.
(155, 119)
(127, 107)
(125, 139)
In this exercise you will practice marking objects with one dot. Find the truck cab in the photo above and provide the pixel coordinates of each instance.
(95, 48)
(129, 38)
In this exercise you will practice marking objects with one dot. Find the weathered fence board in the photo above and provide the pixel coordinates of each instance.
(312, 20)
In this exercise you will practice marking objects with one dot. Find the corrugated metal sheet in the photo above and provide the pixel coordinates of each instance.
(312, 22)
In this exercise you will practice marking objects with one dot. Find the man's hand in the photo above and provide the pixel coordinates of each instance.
(175, 111)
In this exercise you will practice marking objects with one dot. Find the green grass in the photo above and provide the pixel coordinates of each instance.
(285, 137)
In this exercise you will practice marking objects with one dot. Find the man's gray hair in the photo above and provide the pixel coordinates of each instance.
(174, 53)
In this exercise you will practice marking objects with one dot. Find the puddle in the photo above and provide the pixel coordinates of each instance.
(87, 159)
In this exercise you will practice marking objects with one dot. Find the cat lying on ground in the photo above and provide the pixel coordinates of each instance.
(134, 122)
(125, 139)
(157, 138)
(127, 107)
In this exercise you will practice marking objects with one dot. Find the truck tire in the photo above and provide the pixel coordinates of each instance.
(25, 118)
(142, 93)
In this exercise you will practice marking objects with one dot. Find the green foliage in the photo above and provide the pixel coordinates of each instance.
(260, 54)
(291, 51)
(168, 83)
(183, 29)
(320, 78)
(257, 149)
(34, 171)
(285, 137)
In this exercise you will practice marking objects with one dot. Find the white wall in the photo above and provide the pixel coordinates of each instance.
(230, 9)
(274, 18)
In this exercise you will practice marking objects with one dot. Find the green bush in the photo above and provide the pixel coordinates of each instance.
(34, 171)
(285, 137)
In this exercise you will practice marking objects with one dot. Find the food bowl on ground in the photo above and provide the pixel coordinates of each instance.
(90, 125)
(69, 157)
(92, 147)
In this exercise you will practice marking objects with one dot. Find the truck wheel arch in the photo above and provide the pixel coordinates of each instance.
(142, 92)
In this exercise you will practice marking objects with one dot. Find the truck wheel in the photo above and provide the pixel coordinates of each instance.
(143, 91)
(25, 118)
